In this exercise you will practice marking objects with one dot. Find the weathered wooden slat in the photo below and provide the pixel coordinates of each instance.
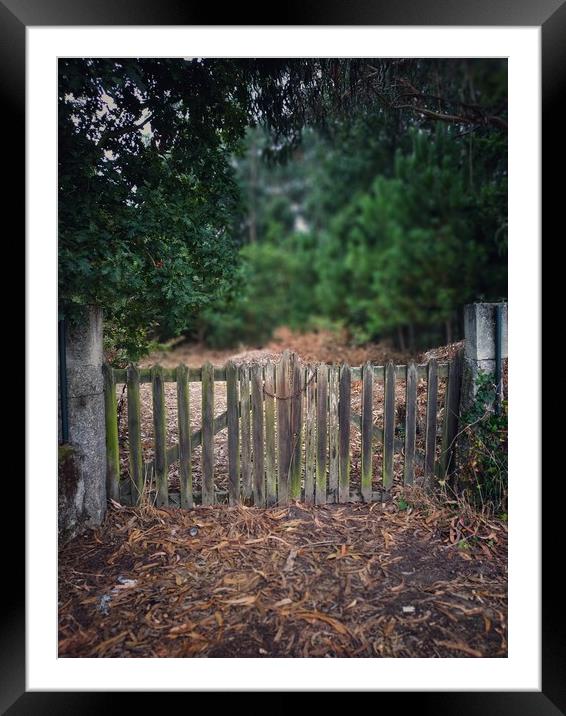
(355, 497)
(245, 434)
(134, 433)
(207, 455)
(296, 421)
(333, 420)
(257, 436)
(283, 427)
(344, 433)
(430, 429)
(377, 436)
(183, 413)
(195, 374)
(160, 436)
(410, 424)
(233, 421)
(451, 415)
(367, 431)
(400, 372)
(112, 446)
(220, 422)
(269, 402)
(388, 426)
(333, 432)
(170, 375)
(310, 437)
(321, 432)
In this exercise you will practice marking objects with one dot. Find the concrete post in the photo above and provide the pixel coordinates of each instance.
(82, 463)
(480, 345)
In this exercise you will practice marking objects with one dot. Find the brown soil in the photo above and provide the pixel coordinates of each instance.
(335, 581)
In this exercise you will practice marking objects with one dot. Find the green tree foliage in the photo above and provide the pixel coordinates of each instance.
(416, 245)
(155, 196)
(147, 197)
(413, 230)
(274, 287)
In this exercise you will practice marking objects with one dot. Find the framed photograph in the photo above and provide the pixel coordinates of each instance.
(208, 314)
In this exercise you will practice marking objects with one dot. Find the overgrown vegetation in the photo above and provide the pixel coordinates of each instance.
(482, 477)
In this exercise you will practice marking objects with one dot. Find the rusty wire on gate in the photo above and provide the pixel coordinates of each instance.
(293, 395)
(271, 426)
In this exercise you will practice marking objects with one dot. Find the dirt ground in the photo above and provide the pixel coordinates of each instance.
(335, 581)
(314, 347)
(405, 578)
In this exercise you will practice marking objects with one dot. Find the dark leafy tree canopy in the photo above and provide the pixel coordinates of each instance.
(152, 205)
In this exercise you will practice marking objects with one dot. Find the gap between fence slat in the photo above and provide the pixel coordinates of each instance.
(367, 431)
(431, 420)
(257, 436)
(245, 435)
(183, 413)
(270, 464)
(160, 438)
(233, 422)
(134, 434)
(283, 427)
(410, 424)
(310, 438)
(344, 409)
(389, 426)
(296, 421)
(321, 432)
(333, 432)
(207, 454)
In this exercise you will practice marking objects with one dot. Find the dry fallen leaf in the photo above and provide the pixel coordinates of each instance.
(282, 602)
(290, 560)
(241, 600)
(225, 594)
(389, 627)
(459, 646)
(319, 616)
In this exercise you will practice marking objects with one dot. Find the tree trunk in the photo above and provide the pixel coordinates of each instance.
(252, 193)
(411, 336)
(448, 331)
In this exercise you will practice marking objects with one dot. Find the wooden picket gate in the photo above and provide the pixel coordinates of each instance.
(289, 431)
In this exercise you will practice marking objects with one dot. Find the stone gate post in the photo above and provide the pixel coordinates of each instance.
(82, 462)
(480, 332)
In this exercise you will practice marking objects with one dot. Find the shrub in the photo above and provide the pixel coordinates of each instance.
(482, 478)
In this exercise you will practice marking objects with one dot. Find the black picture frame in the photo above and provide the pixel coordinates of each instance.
(550, 15)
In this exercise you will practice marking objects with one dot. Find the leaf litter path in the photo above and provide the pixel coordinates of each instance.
(301, 581)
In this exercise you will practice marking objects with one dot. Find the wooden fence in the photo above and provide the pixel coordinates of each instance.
(289, 431)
